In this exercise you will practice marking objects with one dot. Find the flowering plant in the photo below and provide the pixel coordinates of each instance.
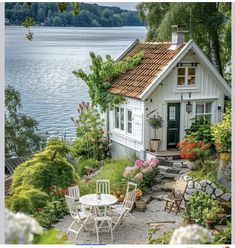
(143, 172)
(222, 133)
(191, 234)
(193, 150)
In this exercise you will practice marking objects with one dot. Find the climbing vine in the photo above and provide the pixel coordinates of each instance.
(99, 79)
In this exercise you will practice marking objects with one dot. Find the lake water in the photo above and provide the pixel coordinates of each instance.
(42, 69)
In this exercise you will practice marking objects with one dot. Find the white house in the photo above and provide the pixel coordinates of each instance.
(172, 76)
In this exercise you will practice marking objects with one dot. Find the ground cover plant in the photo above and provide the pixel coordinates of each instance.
(39, 184)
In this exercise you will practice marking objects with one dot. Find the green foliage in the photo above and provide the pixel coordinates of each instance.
(112, 170)
(197, 205)
(102, 72)
(22, 137)
(28, 22)
(225, 236)
(163, 240)
(52, 236)
(87, 166)
(71, 14)
(222, 133)
(33, 180)
(207, 171)
(91, 141)
(209, 25)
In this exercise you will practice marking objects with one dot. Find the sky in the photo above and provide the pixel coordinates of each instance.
(122, 5)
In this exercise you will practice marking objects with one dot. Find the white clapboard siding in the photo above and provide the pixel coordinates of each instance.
(138, 127)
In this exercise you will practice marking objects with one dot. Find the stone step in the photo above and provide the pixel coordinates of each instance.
(167, 169)
(170, 175)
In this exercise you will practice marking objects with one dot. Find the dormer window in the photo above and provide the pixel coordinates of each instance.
(186, 76)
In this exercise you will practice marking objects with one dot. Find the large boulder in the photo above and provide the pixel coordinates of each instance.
(224, 173)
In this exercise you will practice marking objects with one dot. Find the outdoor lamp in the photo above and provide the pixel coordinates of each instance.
(189, 107)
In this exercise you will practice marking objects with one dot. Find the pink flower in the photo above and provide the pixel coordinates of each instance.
(147, 169)
(126, 173)
(110, 145)
(103, 140)
(154, 162)
(146, 163)
(138, 163)
(139, 176)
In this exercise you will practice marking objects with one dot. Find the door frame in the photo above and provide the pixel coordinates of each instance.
(166, 115)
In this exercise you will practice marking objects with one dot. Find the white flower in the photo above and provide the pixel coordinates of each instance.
(20, 228)
(191, 234)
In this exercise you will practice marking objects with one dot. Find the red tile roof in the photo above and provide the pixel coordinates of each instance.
(156, 57)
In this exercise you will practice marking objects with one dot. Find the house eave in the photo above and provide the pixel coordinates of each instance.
(173, 63)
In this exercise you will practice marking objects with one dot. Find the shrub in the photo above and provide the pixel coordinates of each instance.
(194, 150)
(45, 169)
(143, 172)
(91, 140)
(197, 204)
(22, 203)
(222, 133)
(87, 166)
(32, 181)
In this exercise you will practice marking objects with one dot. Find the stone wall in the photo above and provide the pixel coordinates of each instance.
(204, 186)
(224, 173)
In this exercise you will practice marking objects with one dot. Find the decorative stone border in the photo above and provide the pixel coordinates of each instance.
(204, 186)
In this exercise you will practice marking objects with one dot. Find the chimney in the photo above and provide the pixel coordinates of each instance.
(177, 37)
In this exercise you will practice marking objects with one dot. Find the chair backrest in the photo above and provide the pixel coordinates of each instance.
(70, 201)
(129, 199)
(103, 186)
(74, 192)
(131, 186)
(180, 187)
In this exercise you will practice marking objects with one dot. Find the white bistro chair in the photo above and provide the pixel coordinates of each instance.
(125, 208)
(131, 186)
(80, 218)
(103, 186)
(74, 192)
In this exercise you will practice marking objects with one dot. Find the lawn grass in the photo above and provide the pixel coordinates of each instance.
(112, 170)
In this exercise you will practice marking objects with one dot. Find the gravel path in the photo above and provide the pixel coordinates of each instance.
(131, 231)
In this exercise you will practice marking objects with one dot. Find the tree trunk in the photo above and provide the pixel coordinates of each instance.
(215, 53)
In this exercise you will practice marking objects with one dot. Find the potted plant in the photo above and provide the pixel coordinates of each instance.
(222, 134)
(210, 216)
(155, 122)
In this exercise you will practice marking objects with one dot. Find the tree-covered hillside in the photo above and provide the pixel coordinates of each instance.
(90, 15)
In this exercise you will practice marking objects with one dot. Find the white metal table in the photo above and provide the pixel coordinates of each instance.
(105, 201)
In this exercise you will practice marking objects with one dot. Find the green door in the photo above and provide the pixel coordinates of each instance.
(173, 124)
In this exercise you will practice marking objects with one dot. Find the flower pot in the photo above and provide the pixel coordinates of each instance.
(225, 156)
(155, 144)
(140, 205)
(210, 224)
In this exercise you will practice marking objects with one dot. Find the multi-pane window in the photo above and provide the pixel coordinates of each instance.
(123, 119)
(186, 76)
(129, 121)
(203, 112)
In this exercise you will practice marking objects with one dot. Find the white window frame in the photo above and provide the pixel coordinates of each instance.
(128, 121)
(186, 77)
(125, 120)
(119, 118)
(204, 114)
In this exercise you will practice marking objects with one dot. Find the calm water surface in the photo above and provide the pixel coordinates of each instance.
(42, 69)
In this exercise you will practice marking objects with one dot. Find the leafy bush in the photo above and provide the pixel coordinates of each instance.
(143, 173)
(87, 166)
(225, 236)
(192, 150)
(91, 140)
(197, 204)
(222, 133)
(163, 240)
(32, 182)
(46, 168)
